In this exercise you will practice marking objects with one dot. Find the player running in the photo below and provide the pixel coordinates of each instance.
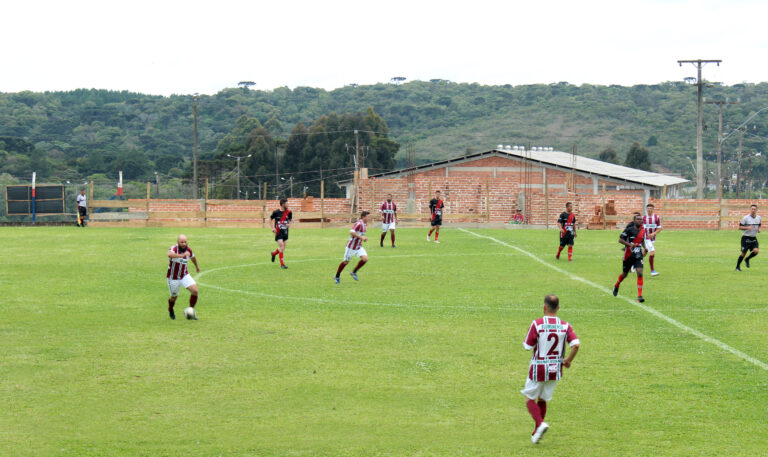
(567, 223)
(282, 218)
(178, 275)
(652, 226)
(388, 212)
(547, 337)
(632, 238)
(436, 207)
(751, 226)
(355, 247)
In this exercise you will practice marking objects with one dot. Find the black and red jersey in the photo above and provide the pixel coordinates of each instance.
(567, 221)
(282, 219)
(436, 208)
(633, 234)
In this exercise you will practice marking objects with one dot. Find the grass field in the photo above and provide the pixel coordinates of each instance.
(423, 356)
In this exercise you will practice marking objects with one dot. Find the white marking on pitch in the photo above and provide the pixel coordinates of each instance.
(645, 308)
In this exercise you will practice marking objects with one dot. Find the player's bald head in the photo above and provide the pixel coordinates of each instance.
(552, 302)
(182, 238)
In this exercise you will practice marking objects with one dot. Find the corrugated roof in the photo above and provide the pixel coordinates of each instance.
(566, 160)
(558, 159)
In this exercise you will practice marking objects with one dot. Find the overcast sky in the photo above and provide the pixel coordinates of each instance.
(168, 47)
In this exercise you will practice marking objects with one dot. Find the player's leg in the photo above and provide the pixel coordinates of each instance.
(437, 232)
(431, 229)
(276, 251)
(639, 271)
(173, 290)
(570, 248)
(363, 260)
(281, 251)
(392, 236)
(562, 245)
(531, 391)
(751, 255)
(624, 272)
(193, 293)
(744, 249)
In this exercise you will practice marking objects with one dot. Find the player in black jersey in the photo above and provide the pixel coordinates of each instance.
(632, 238)
(282, 218)
(436, 208)
(567, 223)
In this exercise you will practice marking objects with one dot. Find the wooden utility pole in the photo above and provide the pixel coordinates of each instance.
(738, 162)
(699, 125)
(194, 153)
(720, 139)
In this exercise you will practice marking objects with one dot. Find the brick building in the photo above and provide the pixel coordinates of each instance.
(493, 184)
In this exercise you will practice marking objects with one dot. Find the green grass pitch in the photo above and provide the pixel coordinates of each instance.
(422, 357)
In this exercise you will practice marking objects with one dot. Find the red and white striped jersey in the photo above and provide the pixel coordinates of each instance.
(177, 267)
(387, 211)
(651, 224)
(547, 337)
(354, 242)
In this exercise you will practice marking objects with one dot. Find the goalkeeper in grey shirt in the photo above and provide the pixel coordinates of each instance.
(751, 226)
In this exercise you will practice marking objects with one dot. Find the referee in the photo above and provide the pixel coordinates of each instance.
(751, 226)
(82, 208)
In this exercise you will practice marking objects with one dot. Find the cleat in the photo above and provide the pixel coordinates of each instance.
(557, 256)
(569, 259)
(336, 280)
(738, 269)
(654, 273)
(428, 240)
(632, 269)
(746, 261)
(283, 267)
(381, 245)
(640, 299)
(540, 431)
(354, 276)
(615, 291)
(171, 314)
(273, 258)
(394, 246)
(437, 242)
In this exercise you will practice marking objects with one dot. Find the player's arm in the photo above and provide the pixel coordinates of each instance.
(743, 226)
(176, 255)
(194, 260)
(572, 354)
(623, 240)
(358, 236)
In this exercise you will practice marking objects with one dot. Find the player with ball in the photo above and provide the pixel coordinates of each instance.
(178, 275)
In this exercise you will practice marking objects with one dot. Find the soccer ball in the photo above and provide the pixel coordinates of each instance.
(190, 313)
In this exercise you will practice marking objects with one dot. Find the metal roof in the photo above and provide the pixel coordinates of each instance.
(558, 159)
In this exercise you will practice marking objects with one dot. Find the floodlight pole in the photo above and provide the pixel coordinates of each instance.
(699, 124)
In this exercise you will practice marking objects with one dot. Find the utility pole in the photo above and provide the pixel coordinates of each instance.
(720, 141)
(238, 171)
(277, 179)
(738, 160)
(194, 151)
(699, 128)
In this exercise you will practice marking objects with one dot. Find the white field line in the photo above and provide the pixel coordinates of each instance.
(645, 308)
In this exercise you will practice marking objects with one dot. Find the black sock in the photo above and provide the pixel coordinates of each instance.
(752, 255)
(738, 264)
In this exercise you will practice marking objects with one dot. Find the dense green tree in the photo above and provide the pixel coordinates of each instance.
(609, 155)
(638, 157)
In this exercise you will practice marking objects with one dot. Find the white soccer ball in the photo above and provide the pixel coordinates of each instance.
(190, 313)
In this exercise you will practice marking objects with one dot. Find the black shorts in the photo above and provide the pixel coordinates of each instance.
(749, 243)
(82, 211)
(566, 239)
(436, 221)
(632, 261)
(281, 235)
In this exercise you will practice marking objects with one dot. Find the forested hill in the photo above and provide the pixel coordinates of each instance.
(83, 132)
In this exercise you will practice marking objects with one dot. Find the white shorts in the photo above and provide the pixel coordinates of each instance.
(649, 245)
(539, 389)
(174, 285)
(386, 227)
(349, 253)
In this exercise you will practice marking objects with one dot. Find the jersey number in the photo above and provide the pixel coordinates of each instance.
(553, 348)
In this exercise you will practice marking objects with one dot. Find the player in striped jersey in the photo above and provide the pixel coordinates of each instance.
(178, 256)
(652, 226)
(547, 337)
(355, 246)
(388, 212)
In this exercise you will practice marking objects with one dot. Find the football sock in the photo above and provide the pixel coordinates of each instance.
(738, 263)
(281, 259)
(543, 408)
(650, 259)
(170, 304)
(533, 408)
(430, 232)
(570, 252)
(359, 266)
(383, 234)
(752, 255)
(341, 267)
(639, 286)
(192, 300)
(621, 278)
(392, 236)
(437, 234)
(275, 251)
(559, 250)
